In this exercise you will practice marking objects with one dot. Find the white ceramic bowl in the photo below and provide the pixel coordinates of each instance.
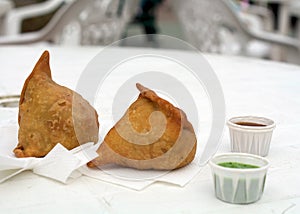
(249, 138)
(239, 186)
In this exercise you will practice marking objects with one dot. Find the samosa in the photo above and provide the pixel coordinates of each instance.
(153, 134)
(50, 113)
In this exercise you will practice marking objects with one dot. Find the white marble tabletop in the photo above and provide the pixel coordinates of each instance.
(251, 87)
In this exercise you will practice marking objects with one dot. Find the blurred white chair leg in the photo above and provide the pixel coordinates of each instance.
(294, 10)
(284, 19)
(298, 29)
(277, 54)
(5, 7)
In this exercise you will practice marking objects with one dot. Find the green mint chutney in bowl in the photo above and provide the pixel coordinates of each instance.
(239, 178)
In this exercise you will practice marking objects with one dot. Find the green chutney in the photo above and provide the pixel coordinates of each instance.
(237, 165)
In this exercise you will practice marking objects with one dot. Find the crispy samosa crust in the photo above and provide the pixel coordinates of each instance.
(153, 134)
(50, 113)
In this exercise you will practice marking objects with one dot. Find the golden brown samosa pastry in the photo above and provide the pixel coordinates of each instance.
(153, 134)
(50, 113)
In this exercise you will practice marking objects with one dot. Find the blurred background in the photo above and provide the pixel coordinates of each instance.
(266, 29)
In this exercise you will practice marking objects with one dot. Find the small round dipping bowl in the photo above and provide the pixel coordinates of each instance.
(251, 134)
(239, 185)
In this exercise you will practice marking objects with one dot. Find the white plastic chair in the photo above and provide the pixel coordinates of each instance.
(81, 22)
(207, 25)
(14, 18)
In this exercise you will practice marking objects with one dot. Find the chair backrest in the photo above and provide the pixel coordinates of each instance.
(13, 18)
(205, 22)
(82, 22)
(86, 22)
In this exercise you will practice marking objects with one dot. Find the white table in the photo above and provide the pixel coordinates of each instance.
(251, 86)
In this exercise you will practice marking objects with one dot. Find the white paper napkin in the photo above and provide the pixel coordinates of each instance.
(60, 164)
(138, 180)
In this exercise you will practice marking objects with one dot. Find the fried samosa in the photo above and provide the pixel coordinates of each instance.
(50, 113)
(153, 134)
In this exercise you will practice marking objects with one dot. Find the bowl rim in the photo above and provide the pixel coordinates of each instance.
(9, 99)
(262, 168)
(232, 124)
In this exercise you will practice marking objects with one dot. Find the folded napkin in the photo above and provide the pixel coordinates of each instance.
(60, 164)
(138, 180)
(63, 165)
